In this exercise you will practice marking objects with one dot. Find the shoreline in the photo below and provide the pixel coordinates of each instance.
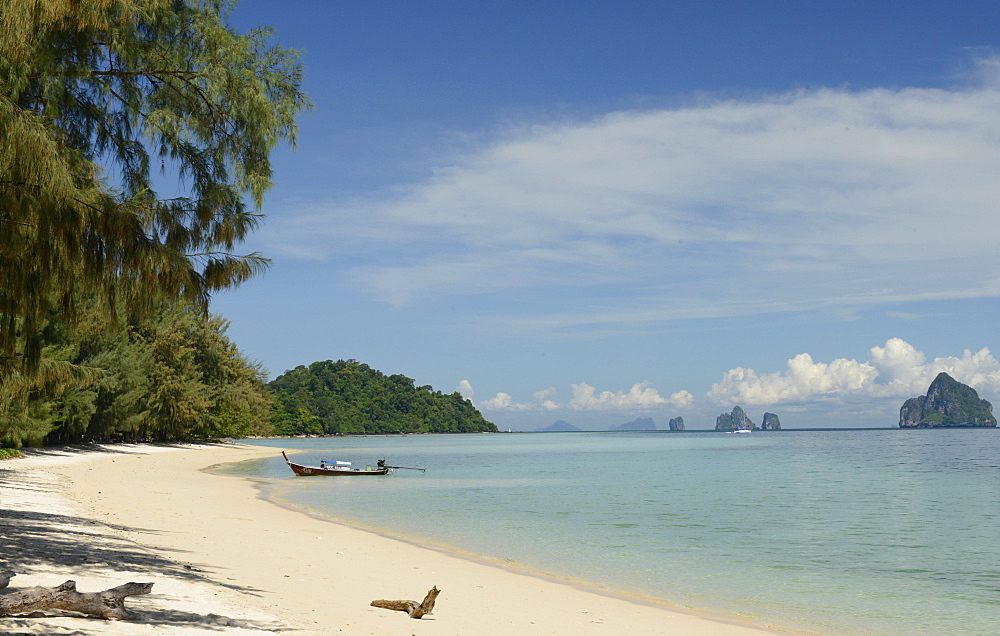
(513, 567)
(225, 558)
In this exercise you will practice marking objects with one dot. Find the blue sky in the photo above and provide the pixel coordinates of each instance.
(597, 211)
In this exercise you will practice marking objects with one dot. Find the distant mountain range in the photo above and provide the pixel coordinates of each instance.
(560, 426)
(639, 424)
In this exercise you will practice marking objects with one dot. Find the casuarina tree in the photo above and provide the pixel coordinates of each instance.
(101, 101)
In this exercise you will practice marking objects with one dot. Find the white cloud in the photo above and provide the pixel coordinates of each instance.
(642, 396)
(895, 370)
(804, 379)
(541, 401)
(812, 199)
(465, 389)
(682, 399)
(901, 368)
(500, 402)
(979, 369)
(544, 399)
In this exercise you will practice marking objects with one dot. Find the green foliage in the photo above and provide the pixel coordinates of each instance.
(349, 397)
(94, 96)
(934, 418)
(169, 377)
(7, 453)
(26, 401)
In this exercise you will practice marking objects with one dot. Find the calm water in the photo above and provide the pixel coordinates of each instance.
(864, 531)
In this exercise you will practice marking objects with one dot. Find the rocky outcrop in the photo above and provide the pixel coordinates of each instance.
(770, 423)
(732, 421)
(948, 404)
(677, 423)
(911, 412)
(638, 424)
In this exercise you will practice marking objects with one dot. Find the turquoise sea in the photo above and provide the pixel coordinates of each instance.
(838, 532)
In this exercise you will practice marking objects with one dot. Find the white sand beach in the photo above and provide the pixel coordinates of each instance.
(224, 561)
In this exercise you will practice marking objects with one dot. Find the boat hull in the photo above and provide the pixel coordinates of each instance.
(309, 471)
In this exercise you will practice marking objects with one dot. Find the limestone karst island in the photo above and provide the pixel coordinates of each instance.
(948, 404)
(738, 420)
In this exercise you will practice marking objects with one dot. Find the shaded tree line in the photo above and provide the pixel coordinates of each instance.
(172, 376)
(350, 397)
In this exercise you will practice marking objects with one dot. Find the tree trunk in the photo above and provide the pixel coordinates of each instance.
(414, 609)
(109, 604)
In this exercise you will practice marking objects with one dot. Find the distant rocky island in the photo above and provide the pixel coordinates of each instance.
(738, 419)
(725, 422)
(948, 404)
(559, 426)
(638, 424)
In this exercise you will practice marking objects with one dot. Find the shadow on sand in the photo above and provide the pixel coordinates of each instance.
(34, 540)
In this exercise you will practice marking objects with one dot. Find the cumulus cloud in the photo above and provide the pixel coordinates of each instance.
(904, 372)
(804, 200)
(895, 370)
(465, 389)
(641, 396)
(803, 379)
(541, 401)
(682, 399)
(544, 399)
(501, 402)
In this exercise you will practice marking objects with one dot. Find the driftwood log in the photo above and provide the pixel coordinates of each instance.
(414, 609)
(109, 604)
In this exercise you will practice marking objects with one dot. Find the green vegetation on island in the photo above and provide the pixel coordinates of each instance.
(348, 397)
(948, 404)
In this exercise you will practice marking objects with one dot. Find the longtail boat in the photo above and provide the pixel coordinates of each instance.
(340, 469)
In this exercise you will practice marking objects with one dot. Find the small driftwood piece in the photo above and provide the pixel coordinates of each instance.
(109, 604)
(414, 609)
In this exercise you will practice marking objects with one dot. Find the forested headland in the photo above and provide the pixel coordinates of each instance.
(350, 397)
